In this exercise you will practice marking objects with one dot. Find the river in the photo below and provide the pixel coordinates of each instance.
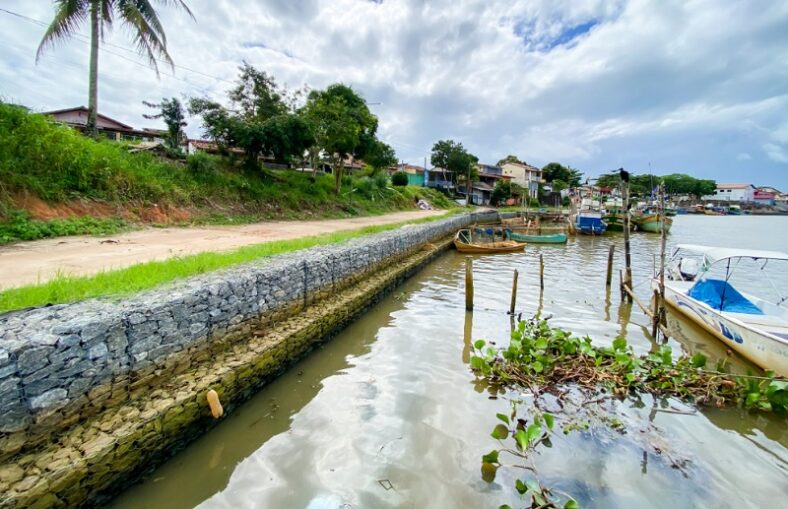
(387, 414)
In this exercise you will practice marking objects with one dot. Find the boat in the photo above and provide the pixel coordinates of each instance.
(557, 238)
(670, 212)
(614, 218)
(681, 211)
(589, 222)
(464, 243)
(650, 222)
(698, 285)
(734, 210)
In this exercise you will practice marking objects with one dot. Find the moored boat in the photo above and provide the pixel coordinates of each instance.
(698, 284)
(734, 210)
(464, 243)
(589, 222)
(651, 223)
(614, 218)
(557, 238)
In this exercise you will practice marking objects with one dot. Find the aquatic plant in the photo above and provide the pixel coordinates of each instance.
(552, 363)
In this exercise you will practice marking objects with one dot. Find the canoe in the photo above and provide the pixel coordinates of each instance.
(558, 238)
(755, 326)
(651, 223)
(464, 244)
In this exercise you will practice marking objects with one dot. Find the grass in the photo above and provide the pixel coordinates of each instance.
(64, 288)
(55, 163)
(21, 227)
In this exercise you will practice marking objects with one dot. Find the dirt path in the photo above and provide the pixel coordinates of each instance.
(37, 261)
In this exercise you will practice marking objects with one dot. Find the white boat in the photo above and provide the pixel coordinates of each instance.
(698, 283)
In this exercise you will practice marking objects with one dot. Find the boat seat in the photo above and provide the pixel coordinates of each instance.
(711, 292)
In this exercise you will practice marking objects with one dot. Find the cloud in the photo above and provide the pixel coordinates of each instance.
(597, 84)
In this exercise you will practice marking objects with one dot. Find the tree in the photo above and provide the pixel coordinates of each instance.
(501, 192)
(452, 156)
(380, 155)
(342, 124)
(510, 159)
(138, 15)
(557, 171)
(171, 111)
(262, 122)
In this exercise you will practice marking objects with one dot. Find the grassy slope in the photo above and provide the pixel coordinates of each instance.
(57, 164)
(148, 275)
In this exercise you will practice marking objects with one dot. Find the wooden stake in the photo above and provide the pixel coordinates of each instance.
(664, 232)
(541, 271)
(514, 293)
(627, 255)
(609, 277)
(621, 283)
(655, 316)
(468, 283)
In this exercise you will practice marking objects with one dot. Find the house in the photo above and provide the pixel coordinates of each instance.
(732, 192)
(439, 178)
(489, 175)
(415, 173)
(524, 175)
(107, 127)
(763, 197)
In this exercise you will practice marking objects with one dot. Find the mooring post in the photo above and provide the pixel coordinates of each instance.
(541, 271)
(655, 317)
(621, 283)
(468, 283)
(663, 223)
(514, 293)
(609, 277)
(627, 256)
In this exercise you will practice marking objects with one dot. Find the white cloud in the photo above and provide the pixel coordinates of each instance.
(595, 84)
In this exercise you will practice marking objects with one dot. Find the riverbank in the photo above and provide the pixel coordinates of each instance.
(95, 392)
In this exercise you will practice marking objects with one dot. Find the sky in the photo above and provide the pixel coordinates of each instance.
(689, 86)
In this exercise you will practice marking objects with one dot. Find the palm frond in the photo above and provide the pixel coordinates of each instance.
(146, 28)
(178, 4)
(69, 14)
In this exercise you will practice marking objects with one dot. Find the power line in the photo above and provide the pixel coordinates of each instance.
(84, 39)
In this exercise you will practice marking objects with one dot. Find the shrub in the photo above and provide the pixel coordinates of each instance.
(400, 179)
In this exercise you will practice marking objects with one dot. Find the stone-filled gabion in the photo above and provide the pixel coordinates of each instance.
(56, 361)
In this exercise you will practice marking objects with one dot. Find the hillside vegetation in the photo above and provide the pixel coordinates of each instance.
(80, 185)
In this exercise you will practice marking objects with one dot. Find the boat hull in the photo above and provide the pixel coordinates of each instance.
(558, 238)
(652, 223)
(759, 347)
(491, 248)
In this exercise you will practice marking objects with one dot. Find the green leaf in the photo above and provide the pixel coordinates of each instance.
(522, 439)
(505, 506)
(537, 366)
(477, 362)
(549, 420)
(619, 344)
(533, 486)
(503, 417)
(490, 457)
(533, 432)
(520, 487)
(479, 344)
(500, 432)
(698, 360)
(488, 472)
(541, 344)
(571, 504)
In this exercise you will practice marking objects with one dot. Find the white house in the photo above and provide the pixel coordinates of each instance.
(732, 192)
(524, 175)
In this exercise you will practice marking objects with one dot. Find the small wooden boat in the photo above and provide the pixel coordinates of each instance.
(697, 284)
(651, 222)
(557, 238)
(464, 243)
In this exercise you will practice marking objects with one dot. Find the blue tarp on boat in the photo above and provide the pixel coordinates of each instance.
(716, 291)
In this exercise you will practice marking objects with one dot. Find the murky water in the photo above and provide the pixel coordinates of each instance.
(387, 414)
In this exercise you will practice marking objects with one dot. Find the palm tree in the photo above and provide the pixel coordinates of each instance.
(138, 15)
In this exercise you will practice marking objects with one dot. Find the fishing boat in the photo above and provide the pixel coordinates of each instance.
(464, 243)
(589, 222)
(698, 284)
(651, 222)
(614, 218)
(557, 238)
(734, 210)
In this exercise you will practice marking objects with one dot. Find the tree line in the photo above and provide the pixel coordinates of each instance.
(675, 183)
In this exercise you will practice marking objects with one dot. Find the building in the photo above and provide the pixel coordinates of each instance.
(107, 127)
(762, 197)
(742, 193)
(415, 173)
(439, 178)
(524, 175)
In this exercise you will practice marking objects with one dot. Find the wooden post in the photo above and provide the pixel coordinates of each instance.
(609, 277)
(514, 293)
(655, 317)
(468, 283)
(541, 271)
(627, 255)
(664, 232)
(621, 283)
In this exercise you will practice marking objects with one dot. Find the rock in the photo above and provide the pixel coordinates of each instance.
(33, 359)
(11, 473)
(27, 483)
(52, 398)
(98, 351)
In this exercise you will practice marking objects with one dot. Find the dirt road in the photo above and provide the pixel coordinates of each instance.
(37, 261)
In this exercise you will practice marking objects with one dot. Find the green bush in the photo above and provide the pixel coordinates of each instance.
(400, 179)
(20, 226)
